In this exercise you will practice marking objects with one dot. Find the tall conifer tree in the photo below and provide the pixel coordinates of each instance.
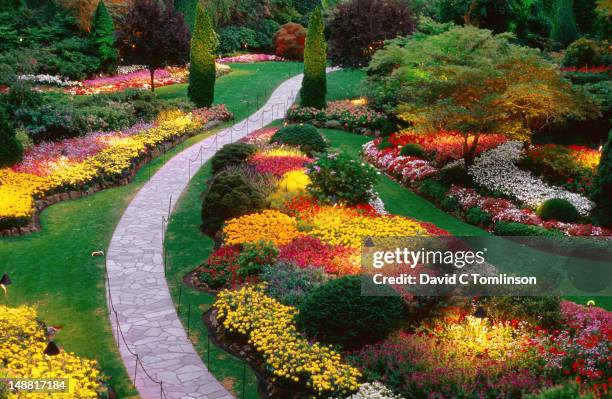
(314, 85)
(202, 68)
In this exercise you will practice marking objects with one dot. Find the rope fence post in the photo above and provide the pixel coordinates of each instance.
(136, 368)
(188, 319)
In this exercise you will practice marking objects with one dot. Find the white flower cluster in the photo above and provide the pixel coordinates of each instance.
(495, 169)
(50, 80)
(126, 69)
(377, 203)
(374, 390)
(406, 168)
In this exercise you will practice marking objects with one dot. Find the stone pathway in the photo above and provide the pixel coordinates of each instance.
(145, 311)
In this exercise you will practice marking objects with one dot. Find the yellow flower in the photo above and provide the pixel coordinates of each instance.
(269, 225)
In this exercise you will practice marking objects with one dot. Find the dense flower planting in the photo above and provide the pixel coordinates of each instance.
(22, 342)
(269, 225)
(270, 328)
(250, 58)
(462, 357)
(495, 169)
(406, 169)
(444, 147)
(49, 80)
(260, 136)
(502, 210)
(307, 251)
(78, 163)
(583, 349)
(572, 167)
(344, 114)
(279, 161)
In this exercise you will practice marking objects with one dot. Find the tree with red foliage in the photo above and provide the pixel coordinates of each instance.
(155, 35)
(289, 41)
(360, 27)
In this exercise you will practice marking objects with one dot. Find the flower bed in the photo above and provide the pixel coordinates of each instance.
(496, 170)
(410, 170)
(250, 58)
(269, 327)
(138, 79)
(22, 342)
(82, 164)
(571, 167)
(344, 114)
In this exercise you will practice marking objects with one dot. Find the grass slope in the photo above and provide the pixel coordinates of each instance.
(53, 269)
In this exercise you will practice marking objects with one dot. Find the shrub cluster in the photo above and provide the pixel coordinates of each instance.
(289, 41)
(520, 229)
(232, 154)
(290, 284)
(558, 209)
(305, 136)
(338, 178)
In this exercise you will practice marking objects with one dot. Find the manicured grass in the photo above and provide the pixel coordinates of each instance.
(246, 88)
(344, 84)
(53, 269)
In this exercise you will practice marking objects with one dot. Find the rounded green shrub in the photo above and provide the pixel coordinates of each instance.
(305, 136)
(228, 196)
(339, 178)
(434, 189)
(383, 145)
(412, 150)
(558, 209)
(477, 216)
(232, 154)
(601, 193)
(11, 149)
(337, 313)
(581, 52)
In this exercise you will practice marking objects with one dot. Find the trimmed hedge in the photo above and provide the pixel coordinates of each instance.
(558, 209)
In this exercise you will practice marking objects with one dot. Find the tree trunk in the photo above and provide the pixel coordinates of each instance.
(152, 71)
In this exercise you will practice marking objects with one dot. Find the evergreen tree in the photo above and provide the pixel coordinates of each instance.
(103, 38)
(314, 85)
(602, 187)
(564, 29)
(202, 69)
(11, 150)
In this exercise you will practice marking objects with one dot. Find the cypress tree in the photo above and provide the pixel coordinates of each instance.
(314, 84)
(11, 150)
(103, 38)
(564, 29)
(601, 193)
(202, 69)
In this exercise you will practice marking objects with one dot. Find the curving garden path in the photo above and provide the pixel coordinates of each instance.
(136, 283)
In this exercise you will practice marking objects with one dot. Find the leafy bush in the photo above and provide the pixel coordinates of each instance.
(581, 52)
(520, 229)
(434, 189)
(264, 33)
(235, 38)
(289, 41)
(413, 150)
(456, 175)
(255, 256)
(339, 178)
(601, 193)
(359, 27)
(541, 311)
(307, 137)
(558, 209)
(221, 267)
(477, 216)
(228, 196)
(231, 155)
(338, 313)
(290, 284)
(11, 150)
(565, 391)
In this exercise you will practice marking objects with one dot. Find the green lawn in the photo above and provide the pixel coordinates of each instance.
(344, 84)
(53, 269)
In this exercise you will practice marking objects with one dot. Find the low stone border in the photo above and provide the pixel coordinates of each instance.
(40, 204)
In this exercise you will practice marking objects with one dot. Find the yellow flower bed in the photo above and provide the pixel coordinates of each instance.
(342, 226)
(19, 190)
(22, 342)
(270, 328)
(269, 225)
(282, 151)
(291, 185)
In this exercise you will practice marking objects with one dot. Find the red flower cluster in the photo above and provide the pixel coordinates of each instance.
(445, 146)
(221, 268)
(309, 251)
(277, 165)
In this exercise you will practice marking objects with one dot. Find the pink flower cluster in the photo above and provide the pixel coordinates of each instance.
(310, 251)
(260, 136)
(45, 158)
(351, 116)
(134, 80)
(587, 69)
(277, 165)
(250, 58)
(583, 349)
(445, 146)
(502, 210)
(407, 169)
(216, 112)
